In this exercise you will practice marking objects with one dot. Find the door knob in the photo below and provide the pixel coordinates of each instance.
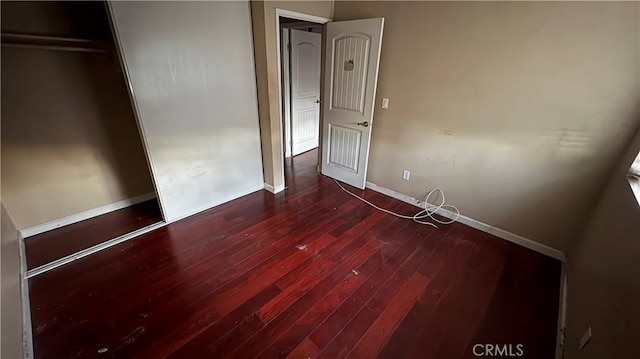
(363, 124)
(317, 101)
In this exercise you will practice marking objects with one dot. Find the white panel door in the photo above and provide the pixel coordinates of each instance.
(352, 61)
(305, 90)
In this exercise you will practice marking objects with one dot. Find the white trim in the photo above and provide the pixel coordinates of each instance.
(272, 189)
(27, 334)
(300, 16)
(562, 312)
(297, 16)
(286, 98)
(91, 250)
(500, 233)
(75, 218)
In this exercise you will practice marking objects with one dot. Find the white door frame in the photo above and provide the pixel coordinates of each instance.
(297, 16)
(286, 91)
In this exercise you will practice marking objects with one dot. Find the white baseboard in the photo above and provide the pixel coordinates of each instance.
(272, 189)
(500, 233)
(74, 218)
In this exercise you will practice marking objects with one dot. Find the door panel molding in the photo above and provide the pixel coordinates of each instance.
(347, 88)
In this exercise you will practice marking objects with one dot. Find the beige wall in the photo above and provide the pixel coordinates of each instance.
(11, 314)
(518, 110)
(263, 14)
(604, 273)
(69, 138)
(191, 70)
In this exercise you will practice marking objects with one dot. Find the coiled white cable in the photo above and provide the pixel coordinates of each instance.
(428, 211)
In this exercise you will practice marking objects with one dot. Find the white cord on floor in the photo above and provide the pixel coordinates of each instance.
(428, 211)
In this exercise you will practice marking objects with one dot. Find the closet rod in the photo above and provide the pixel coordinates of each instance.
(57, 47)
(55, 43)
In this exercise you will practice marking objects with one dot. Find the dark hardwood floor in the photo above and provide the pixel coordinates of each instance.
(311, 272)
(55, 244)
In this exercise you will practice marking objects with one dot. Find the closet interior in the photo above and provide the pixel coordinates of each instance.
(74, 170)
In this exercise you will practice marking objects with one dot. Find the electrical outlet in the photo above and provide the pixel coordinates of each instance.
(405, 175)
(585, 338)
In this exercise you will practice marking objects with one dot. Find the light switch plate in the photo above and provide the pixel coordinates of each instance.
(405, 175)
(385, 102)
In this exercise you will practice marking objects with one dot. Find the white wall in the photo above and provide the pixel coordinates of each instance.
(191, 69)
(11, 327)
(604, 273)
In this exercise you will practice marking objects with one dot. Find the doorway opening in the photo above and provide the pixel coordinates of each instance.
(301, 43)
(348, 77)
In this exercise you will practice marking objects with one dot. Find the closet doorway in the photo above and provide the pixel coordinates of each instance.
(75, 175)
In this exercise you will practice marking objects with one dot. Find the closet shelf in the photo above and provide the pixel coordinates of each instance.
(56, 43)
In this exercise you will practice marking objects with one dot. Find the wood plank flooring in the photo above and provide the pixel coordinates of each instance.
(311, 272)
(55, 244)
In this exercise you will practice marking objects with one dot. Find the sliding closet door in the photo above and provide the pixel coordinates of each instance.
(191, 72)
